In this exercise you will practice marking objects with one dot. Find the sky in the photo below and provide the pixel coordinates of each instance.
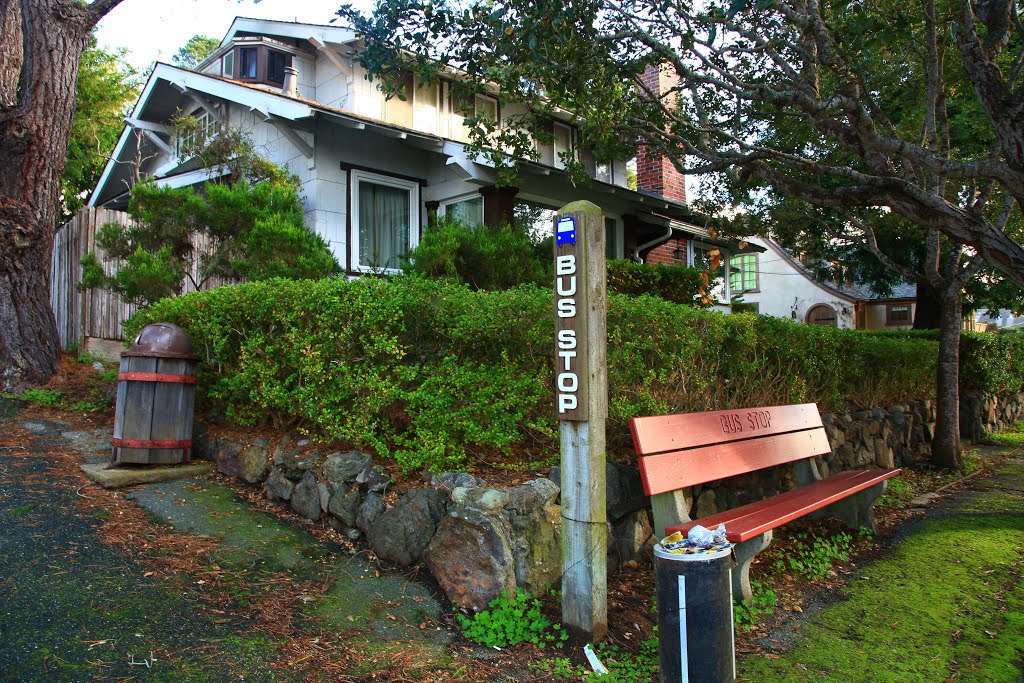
(155, 30)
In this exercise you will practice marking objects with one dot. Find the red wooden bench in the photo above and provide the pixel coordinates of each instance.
(682, 451)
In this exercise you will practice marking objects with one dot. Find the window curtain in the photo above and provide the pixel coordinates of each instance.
(469, 212)
(383, 225)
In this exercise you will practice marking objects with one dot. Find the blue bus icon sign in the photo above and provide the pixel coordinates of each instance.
(565, 231)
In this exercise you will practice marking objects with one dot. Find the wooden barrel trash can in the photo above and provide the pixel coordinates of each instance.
(156, 394)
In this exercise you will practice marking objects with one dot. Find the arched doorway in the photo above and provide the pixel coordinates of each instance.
(822, 314)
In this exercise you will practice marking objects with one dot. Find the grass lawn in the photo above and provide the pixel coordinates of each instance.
(947, 605)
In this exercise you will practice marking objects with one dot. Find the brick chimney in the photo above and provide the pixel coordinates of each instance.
(655, 173)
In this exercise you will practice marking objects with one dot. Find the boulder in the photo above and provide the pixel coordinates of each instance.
(884, 456)
(228, 453)
(295, 462)
(632, 538)
(370, 509)
(452, 480)
(400, 535)
(625, 491)
(253, 463)
(485, 501)
(306, 497)
(342, 468)
(471, 558)
(535, 536)
(278, 487)
(344, 504)
(373, 479)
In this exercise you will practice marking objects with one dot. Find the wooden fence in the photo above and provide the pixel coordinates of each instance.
(96, 313)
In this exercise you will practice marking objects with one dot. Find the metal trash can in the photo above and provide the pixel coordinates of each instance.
(156, 392)
(696, 642)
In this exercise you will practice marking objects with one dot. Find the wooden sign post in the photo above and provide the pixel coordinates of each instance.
(581, 400)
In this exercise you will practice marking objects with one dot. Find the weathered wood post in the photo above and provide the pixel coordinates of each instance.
(581, 373)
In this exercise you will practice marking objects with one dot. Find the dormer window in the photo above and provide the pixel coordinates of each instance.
(258, 64)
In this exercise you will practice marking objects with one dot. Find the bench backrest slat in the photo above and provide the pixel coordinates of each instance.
(679, 469)
(663, 433)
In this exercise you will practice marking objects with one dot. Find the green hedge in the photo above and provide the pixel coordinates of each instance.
(673, 283)
(432, 373)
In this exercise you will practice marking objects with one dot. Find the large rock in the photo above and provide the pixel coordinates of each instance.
(535, 534)
(625, 491)
(306, 497)
(344, 504)
(471, 558)
(631, 539)
(295, 462)
(400, 534)
(279, 488)
(452, 480)
(253, 463)
(369, 510)
(373, 479)
(343, 468)
(226, 457)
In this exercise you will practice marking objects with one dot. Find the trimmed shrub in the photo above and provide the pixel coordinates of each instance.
(432, 373)
(672, 283)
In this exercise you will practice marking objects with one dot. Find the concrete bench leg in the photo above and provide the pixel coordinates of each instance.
(745, 553)
(856, 511)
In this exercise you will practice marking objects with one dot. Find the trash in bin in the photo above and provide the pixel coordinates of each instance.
(699, 540)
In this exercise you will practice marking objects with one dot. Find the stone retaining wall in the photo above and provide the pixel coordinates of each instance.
(478, 541)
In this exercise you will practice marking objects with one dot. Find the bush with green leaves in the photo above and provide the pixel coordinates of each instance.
(679, 284)
(254, 232)
(512, 619)
(484, 257)
(433, 374)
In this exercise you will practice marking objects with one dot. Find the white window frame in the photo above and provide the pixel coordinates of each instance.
(227, 67)
(443, 206)
(355, 178)
(209, 128)
(618, 248)
(556, 153)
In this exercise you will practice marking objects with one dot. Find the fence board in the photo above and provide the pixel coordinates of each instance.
(97, 313)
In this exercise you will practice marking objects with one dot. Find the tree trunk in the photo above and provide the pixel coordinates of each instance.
(35, 125)
(928, 309)
(946, 442)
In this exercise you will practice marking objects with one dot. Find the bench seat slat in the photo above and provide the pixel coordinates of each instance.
(748, 521)
(671, 471)
(660, 433)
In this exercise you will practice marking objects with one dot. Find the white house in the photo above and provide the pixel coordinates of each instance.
(373, 170)
(776, 283)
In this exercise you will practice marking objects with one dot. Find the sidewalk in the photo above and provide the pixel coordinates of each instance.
(946, 603)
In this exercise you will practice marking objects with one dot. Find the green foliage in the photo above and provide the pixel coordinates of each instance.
(107, 88)
(747, 615)
(42, 397)
(432, 373)
(679, 284)
(483, 258)
(192, 53)
(1011, 436)
(512, 619)
(993, 363)
(814, 558)
(255, 232)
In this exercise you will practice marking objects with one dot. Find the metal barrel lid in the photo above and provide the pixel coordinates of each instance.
(162, 340)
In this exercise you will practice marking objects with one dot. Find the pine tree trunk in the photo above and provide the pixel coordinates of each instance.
(946, 442)
(36, 111)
